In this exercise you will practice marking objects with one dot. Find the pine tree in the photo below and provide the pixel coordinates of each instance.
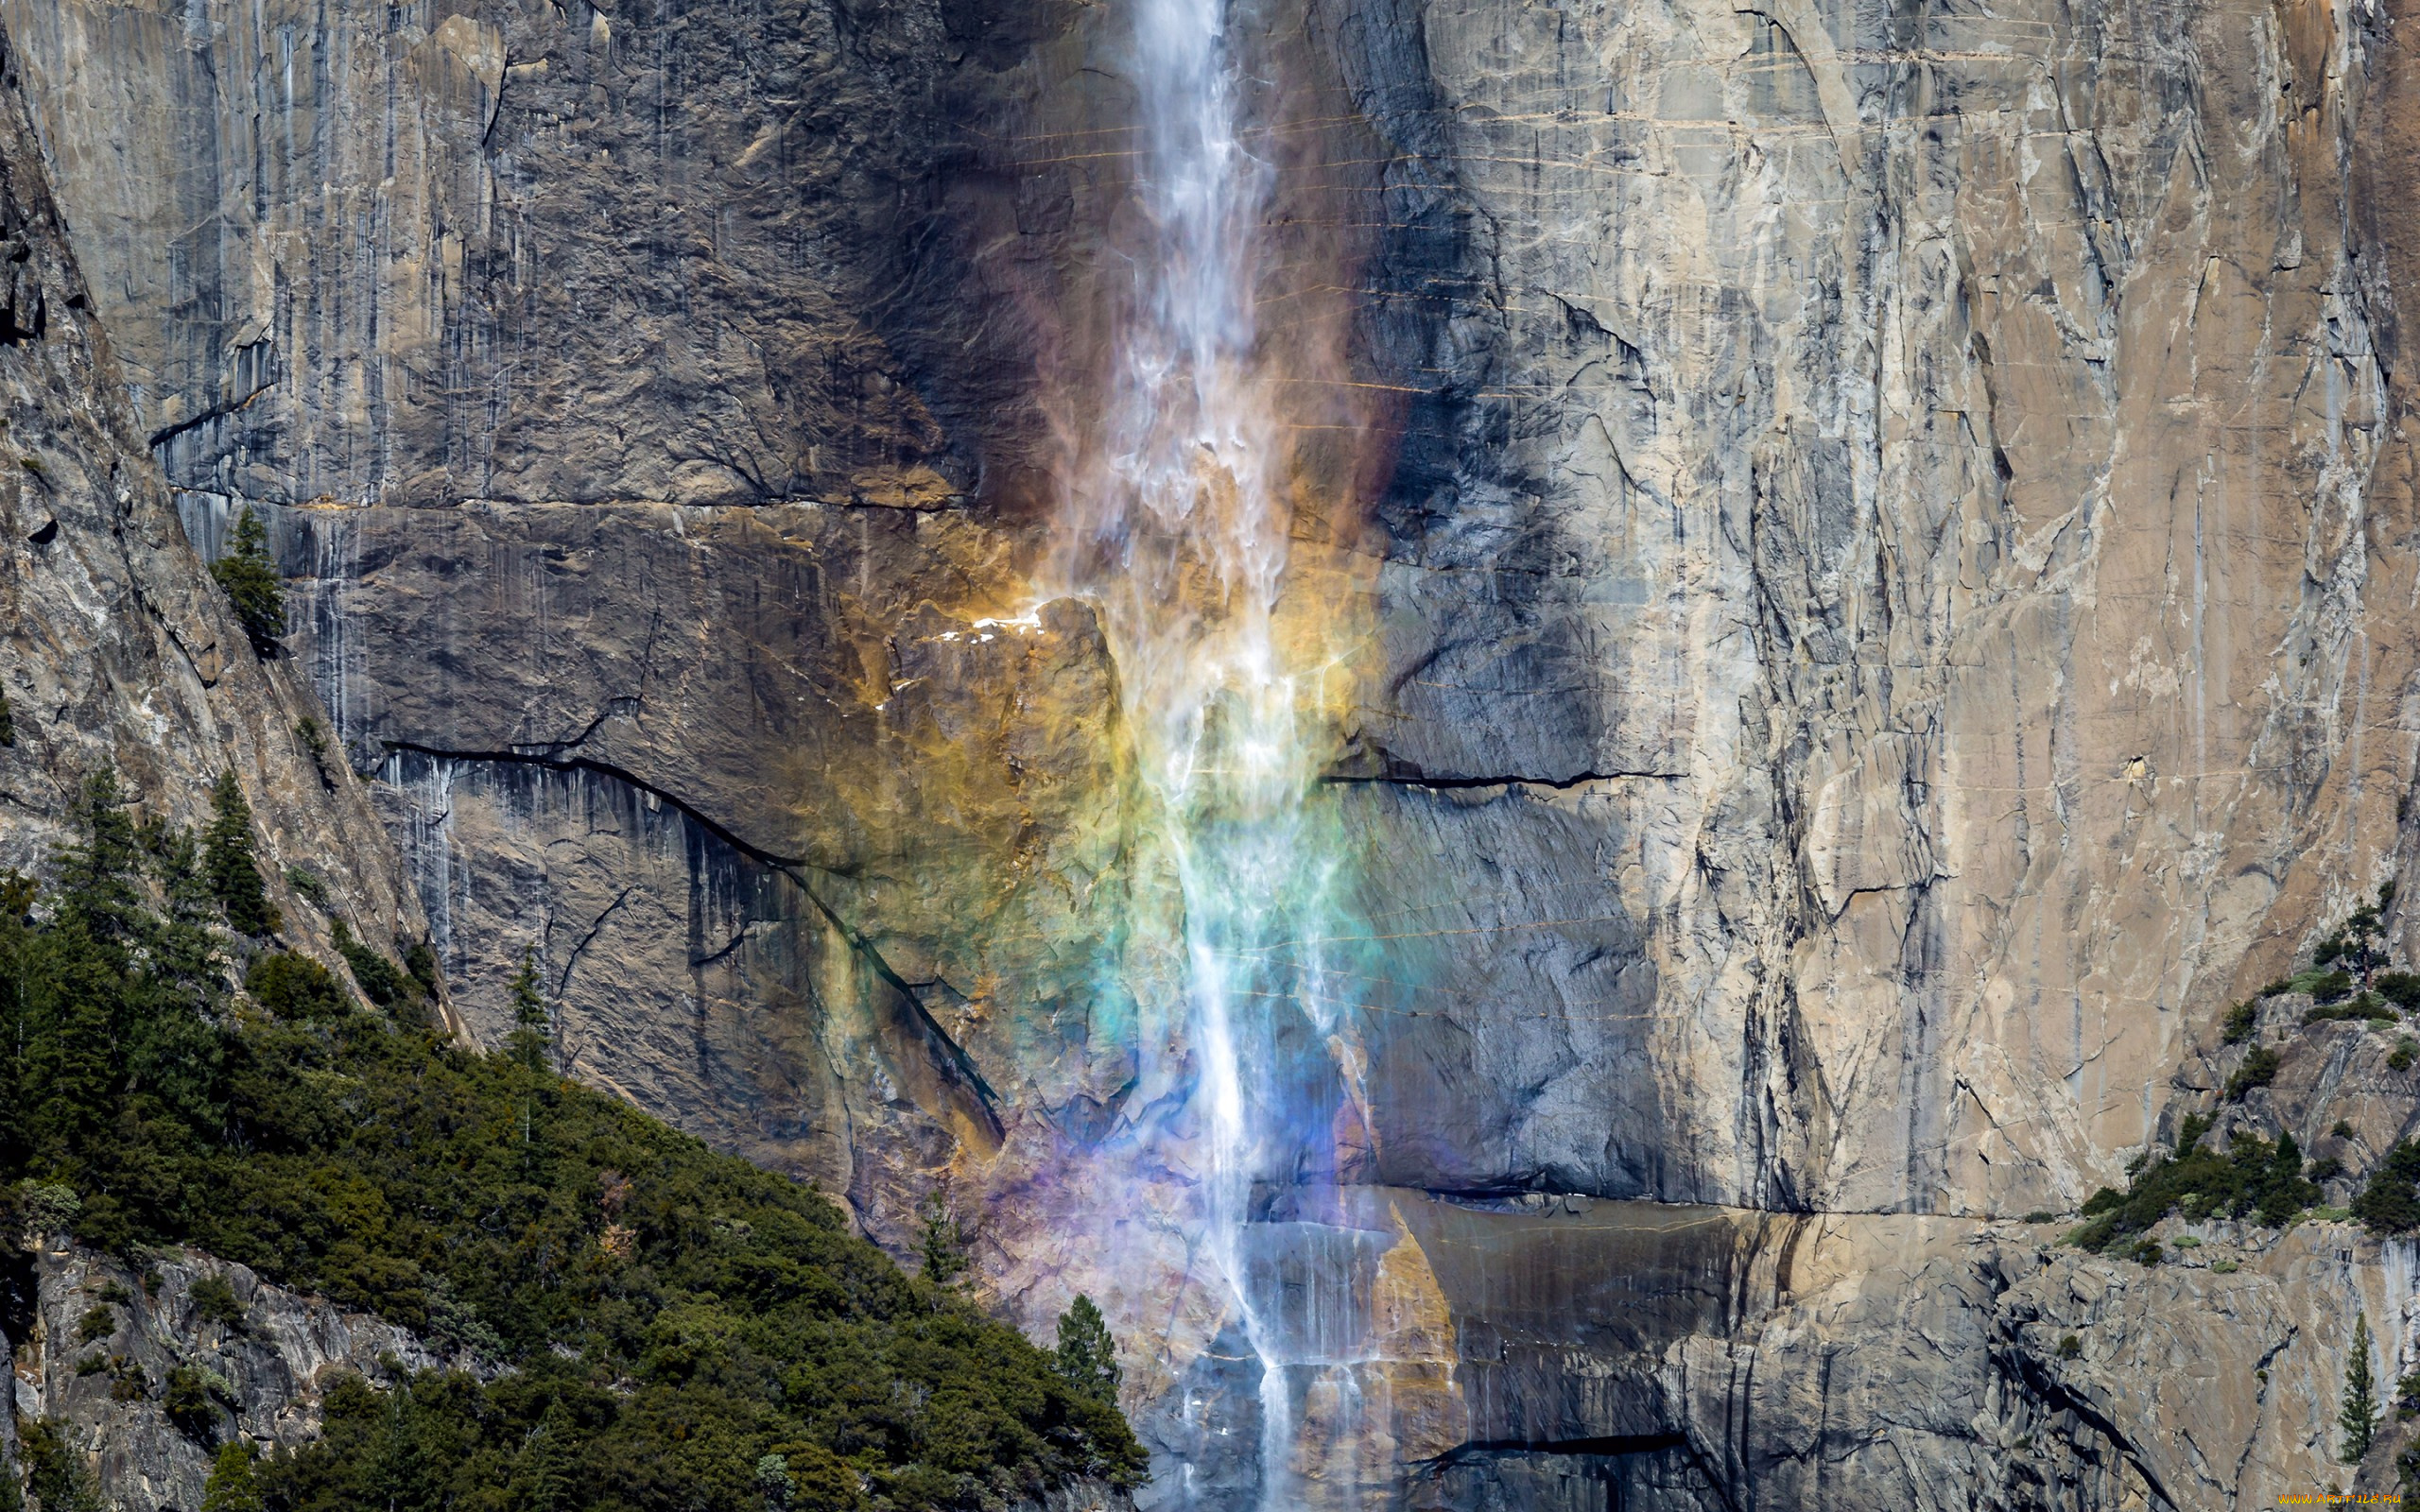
(944, 1241)
(1087, 1355)
(235, 876)
(74, 984)
(254, 587)
(169, 1045)
(232, 1486)
(55, 1474)
(532, 1027)
(2359, 1416)
(97, 877)
(554, 1462)
(186, 953)
(774, 1481)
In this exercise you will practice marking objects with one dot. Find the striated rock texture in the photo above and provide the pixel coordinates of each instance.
(1907, 504)
(416, 253)
(121, 652)
(1886, 602)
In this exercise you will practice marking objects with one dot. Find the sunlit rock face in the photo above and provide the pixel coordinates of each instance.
(1869, 547)
(1901, 494)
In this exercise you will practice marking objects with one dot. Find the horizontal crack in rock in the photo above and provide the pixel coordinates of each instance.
(1560, 784)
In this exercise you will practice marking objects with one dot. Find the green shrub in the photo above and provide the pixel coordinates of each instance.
(2367, 1006)
(2324, 1170)
(297, 988)
(54, 1472)
(377, 977)
(2259, 1069)
(2241, 1020)
(2399, 1058)
(8, 721)
(309, 886)
(2343, 1129)
(2070, 1347)
(193, 1401)
(253, 588)
(2402, 988)
(2390, 1201)
(420, 964)
(215, 1302)
(2326, 987)
(128, 1382)
(315, 743)
(2253, 1178)
(97, 1324)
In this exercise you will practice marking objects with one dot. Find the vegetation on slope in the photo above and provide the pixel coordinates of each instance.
(2251, 1179)
(683, 1330)
(254, 590)
(2254, 1177)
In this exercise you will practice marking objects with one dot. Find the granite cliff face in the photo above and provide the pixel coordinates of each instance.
(1881, 568)
(123, 654)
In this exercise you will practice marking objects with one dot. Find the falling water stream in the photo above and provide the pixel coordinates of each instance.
(1180, 535)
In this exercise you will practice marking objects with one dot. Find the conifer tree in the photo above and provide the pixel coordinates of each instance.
(97, 877)
(554, 1462)
(1087, 1355)
(232, 1486)
(75, 987)
(532, 1027)
(254, 587)
(185, 954)
(2359, 1416)
(235, 876)
(945, 1240)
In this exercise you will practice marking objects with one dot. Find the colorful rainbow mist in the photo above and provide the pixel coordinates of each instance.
(1181, 532)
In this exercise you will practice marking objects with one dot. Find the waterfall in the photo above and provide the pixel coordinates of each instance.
(1178, 530)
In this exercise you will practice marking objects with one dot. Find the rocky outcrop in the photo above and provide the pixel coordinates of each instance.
(1625, 1354)
(98, 1350)
(1927, 491)
(498, 250)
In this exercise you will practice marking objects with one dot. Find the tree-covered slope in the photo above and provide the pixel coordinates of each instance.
(675, 1329)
